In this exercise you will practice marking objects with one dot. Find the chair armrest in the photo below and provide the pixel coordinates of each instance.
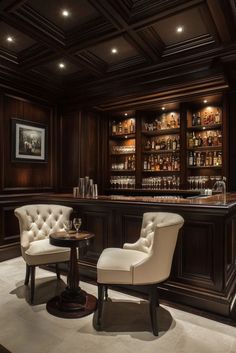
(26, 238)
(139, 245)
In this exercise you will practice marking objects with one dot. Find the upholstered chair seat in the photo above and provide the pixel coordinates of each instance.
(146, 262)
(36, 223)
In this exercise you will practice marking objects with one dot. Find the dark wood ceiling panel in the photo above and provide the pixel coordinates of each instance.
(19, 42)
(104, 50)
(191, 22)
(142, 31)
(80, 12)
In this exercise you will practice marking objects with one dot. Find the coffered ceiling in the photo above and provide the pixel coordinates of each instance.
(99, 44)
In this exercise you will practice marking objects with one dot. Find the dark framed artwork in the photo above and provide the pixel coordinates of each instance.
(29, 141)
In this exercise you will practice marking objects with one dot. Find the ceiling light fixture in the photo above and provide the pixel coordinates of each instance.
(163, 108)
(126, 114)
(10, 39)
(61, 65)
(114, 51)
(65, 13)
(179, 29)
(205, 101)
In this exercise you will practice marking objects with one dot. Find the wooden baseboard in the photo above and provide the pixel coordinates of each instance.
(9, 251)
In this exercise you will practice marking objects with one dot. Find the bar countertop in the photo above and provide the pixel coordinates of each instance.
(214, 201)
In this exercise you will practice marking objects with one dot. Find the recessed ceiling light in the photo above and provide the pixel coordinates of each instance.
(114, 51)
(61, 65)
(179, 29)
(205, 101)
(65, 13)
(10, 39)
(163, 108)
(126, 114)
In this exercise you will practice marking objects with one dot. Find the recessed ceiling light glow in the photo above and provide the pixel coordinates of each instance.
(114, 51)
(126, 114)
(65, 13)
(163, 108)
(61, 65)
(205, 101)
(179, 29)
(10, 39)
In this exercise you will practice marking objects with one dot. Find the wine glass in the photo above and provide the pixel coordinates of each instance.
(67, 224)
(77, 223)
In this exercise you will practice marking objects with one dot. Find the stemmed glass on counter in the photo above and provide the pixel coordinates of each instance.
(77, 224)
(67, 224)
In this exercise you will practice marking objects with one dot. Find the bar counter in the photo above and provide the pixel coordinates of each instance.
(204, 267)
(203, 273)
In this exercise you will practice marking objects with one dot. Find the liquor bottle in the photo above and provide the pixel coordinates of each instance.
(217, 116)
(204, 140)
(194, 159)
(220, 158)
(215, 159)
(126, 166)
(120, 128)
(132, 127)
(153, 144)
(210, 158)
(145, 164)
(190, 141)
(198, 161)
(198, 118)
(219, 138)
(114, 128)
(147, 145)
(126, 129)
(168, 144)
(178, 143)
(174, 144)
(209, 140)
(194, 120)
(202, 159)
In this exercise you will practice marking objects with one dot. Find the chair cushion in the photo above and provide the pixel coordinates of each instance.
(41, 252)
(43, 247)
(115, 266)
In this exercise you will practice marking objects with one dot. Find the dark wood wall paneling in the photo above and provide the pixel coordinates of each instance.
(80, 147)
(19, 180)
(26, 176)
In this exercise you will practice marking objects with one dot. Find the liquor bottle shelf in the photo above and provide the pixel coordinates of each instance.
(204, 127)
(161, 132)
(122, 154)
(122, 136)
(160, 171)
(206, 167)
(205, 148)
(160, 151)
(122, 170)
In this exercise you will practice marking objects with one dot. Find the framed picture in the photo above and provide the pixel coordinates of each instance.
(29, 141)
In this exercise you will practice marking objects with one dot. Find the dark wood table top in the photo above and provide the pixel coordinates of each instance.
(71, 238)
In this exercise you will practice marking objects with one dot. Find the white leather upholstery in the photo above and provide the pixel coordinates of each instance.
(149, 259)
(36, 223)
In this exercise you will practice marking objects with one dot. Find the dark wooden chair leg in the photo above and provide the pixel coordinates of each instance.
(106, 292)
(32, 283)
(58, 271)
(27, 275)
(100, 304)
(153, 299)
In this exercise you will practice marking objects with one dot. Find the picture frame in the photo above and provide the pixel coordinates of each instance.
(29, 141)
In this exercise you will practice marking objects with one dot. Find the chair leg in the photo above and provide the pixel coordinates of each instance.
(58, 271)
(32, 283)
(106, 292)
(100, 304)
(153, 303)
(27, 275)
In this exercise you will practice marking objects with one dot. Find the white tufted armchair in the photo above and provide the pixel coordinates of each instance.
(36, 223)
(146, 262)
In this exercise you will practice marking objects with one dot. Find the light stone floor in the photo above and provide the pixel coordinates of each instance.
(31, 329)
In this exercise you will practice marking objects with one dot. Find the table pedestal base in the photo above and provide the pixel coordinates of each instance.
(72, 304)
